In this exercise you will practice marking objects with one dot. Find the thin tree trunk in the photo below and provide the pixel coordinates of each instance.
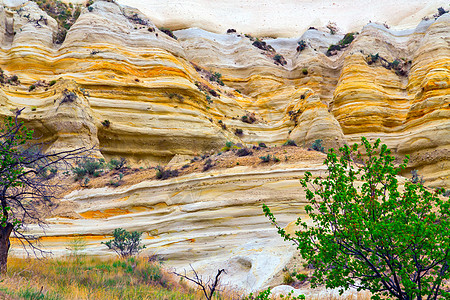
(5, 233)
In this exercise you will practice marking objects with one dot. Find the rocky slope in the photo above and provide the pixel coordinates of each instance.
(119, 82)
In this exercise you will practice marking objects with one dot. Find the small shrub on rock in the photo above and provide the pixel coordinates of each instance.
(208, 165)
(301, 46)
(90, 167)
(168, 32)
(317, 146)
(164, 174)
(243, 152)
(290, 143)
(117, 164)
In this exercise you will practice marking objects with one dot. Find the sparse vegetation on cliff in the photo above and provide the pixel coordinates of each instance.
(347, 40)
(65, 14)
(168, 32)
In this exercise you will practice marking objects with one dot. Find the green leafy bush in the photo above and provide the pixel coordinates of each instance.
(375, 236)
(88, 166)
(125, 243)
(317, 146)
(117, 164)
(163, 174)
(290, 143)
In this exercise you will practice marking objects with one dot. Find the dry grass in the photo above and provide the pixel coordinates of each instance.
(81, 277)
(91, 278)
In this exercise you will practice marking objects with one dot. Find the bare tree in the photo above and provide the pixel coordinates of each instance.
(208, 287)
(26, 191)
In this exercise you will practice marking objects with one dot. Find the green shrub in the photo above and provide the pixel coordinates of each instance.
(279, 59)
(317, 146)
(217, 77)
(305, 71)
(106, 123)
(262, 145)
(364, 231)
(164, 174)
(290, 143)
(53, 82)
(125, 243)
(117, 164)
(265, 158)
(288, 279)
(301, 45)
(88, 166)
(32, 87)
(168, 32)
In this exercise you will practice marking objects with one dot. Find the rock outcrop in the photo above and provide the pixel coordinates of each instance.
(120, 84)
(161, 98)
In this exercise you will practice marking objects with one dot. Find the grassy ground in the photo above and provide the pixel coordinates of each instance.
(91, 278)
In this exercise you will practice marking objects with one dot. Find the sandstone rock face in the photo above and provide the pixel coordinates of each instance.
(159, 104)
(212, 220)
(120, 84)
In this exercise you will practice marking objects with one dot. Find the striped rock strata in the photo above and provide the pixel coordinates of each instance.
(155, 94)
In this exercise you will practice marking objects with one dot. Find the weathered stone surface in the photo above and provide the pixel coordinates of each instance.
(161, 105)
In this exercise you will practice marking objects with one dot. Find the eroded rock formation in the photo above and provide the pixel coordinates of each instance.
(120, 83)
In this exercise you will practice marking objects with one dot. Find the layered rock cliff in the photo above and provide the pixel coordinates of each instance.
(119, 83)
(157, 95)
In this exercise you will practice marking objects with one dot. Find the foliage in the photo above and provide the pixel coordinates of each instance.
(317, 146)
(117, 164)
(265, 295)
(392, 242)
(371, 59)
(106, 123)
(94, 278)
(243, 152)
(238, 131)
(168, 32)
(88, 167)
(440, 12)
(416, 178)
(290, 143)
(163, 174)
(262, 145)
(348, 38)
(26, 194)
(76, 246)
(268, 158)
(332, 27)
(217, 77)
(32, 87)
(279, 59)
(249, 118)
(64, 14)
(125, 243)
(301, 45)
(305, 71)
(208, 165)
